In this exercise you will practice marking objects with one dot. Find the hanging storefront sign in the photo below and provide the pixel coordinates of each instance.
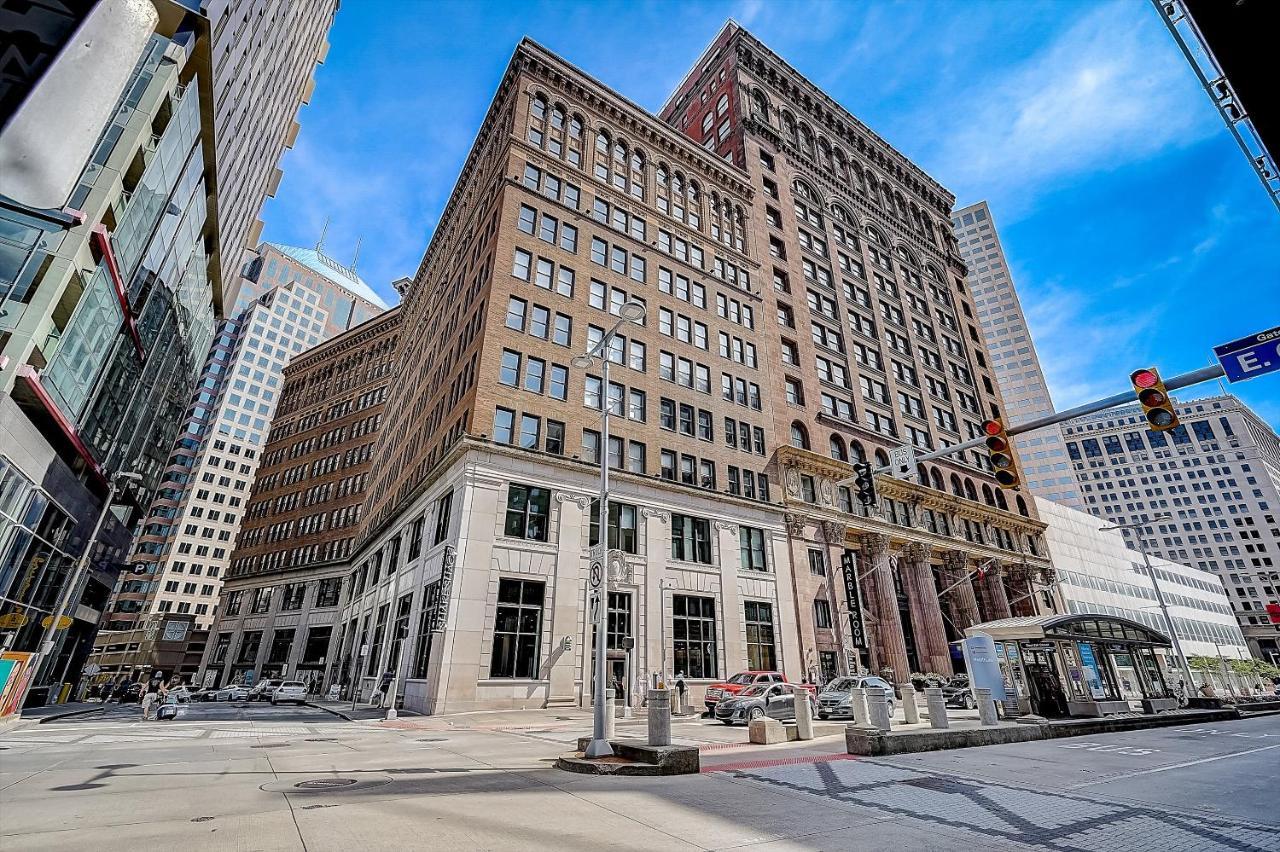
(853, 600)
(441, 614)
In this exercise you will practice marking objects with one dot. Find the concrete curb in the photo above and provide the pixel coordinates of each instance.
(42, 719)
(330, 710)
(872, 742)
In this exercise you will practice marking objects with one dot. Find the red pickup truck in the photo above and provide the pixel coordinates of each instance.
(741, 681)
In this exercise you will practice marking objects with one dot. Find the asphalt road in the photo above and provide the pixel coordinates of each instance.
(256, 777)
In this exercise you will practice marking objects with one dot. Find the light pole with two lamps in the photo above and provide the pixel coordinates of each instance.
(1155, 584)
(629, 312)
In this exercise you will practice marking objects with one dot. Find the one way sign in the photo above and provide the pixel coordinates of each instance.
(1250, 356)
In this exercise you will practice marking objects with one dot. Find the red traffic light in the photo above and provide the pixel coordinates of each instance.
(992, 427)
(1000, 454)
(1273, 613)
(1144, 378)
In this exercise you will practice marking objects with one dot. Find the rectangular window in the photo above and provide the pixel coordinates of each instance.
(622, 527)
(760, 651)
(693, 622)
(817, 562)
(503, 425)
(443, 507)
(821, 614)
(690, 539)
(555, 437)
(528, 508)
(751, 549)
(517, 629)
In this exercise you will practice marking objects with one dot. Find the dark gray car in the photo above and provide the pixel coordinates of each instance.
(755, 702)
(837, 700)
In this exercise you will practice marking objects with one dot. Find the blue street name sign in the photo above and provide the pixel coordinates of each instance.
(1250, 356)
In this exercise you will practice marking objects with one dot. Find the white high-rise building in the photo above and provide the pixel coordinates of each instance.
(290, 299)
(1045, 467)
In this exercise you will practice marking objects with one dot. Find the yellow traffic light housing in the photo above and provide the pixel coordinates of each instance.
(1157, 407)
(1001, 455)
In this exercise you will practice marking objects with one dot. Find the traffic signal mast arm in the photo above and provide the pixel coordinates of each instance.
(1195, 377)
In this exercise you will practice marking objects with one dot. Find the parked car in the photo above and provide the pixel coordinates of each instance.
(181, 694)
(264, 689)
(133, 694)
(234, 692)
(837, 698)
(290, 690)
(739, 682)
(775, 700)
(958, 694)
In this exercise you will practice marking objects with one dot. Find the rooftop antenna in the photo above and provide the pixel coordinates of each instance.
(356, 258)
(323, 233)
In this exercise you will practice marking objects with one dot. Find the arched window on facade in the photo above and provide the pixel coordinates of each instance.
(1022, 510)
(969, 491)
(956, 488)
(838, 451)
(799, 435)
(882, 458)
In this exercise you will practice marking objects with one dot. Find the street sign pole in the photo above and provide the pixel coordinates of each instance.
(1250, 357)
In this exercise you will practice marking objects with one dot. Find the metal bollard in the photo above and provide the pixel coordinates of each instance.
(659, 717)
(858, 698)
(937, 707)
(878, 708)
(610, 723)
(986, 709)
(804, 713)
(910, 710)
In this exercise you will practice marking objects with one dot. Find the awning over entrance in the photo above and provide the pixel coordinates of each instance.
(1076, 626)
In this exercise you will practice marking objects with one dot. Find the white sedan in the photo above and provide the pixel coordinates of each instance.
(235, 692)
(290, 690)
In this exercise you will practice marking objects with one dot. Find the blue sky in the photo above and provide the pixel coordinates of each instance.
(1136, 232)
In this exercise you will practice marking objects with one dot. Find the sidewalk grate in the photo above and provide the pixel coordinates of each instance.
(324, 783)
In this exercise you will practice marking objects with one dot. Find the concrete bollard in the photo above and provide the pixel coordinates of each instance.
(858, 698)
(878, 708)
(804, 713)
(910, 710)
(610, 723)
(986, 709)
(937, 707)
(659, 717)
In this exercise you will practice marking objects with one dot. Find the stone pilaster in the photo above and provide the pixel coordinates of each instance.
(884, 603)
(961, 600)
(993, 600)
(926, 611)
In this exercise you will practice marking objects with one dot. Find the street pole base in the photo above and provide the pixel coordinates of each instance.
(391, 714)
(598, 748)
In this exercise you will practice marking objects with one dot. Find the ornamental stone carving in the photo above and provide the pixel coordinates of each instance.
(795, 525)
(793, 481)
(565, 497)
(955, 560)
(833, 532)
(917, 552)
(827, 490)
(661, 514)
(876, 545)
(727, 526)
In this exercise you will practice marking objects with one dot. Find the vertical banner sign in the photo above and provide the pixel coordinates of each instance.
(852, 599)
(441, 613)
(984, 665)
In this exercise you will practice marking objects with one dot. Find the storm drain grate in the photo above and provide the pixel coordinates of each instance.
(201, 819)
(939, 785)
(320, 740)
(270, 745)
(433, 740)
(324, 783)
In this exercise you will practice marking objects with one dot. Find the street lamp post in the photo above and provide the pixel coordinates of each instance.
(629, 312)
(1155, 585)
(45, 649)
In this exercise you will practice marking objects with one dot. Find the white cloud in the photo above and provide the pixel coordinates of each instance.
(1104, 93)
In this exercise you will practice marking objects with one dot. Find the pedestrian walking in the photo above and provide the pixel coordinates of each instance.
(149, 700)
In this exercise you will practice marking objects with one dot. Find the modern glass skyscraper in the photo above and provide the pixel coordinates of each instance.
(290, 300)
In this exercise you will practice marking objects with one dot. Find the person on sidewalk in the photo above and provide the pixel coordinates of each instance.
(149, 700)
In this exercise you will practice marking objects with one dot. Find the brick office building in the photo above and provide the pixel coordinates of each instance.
(283, 586)
(727, 442)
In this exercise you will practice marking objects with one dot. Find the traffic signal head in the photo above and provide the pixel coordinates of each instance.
(1156, 405)
(1273, 613)
(1004, 463)
(864, 483)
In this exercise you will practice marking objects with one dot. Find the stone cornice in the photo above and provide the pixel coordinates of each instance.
(350, 339)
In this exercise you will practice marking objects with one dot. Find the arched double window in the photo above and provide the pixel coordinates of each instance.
(838, 450)
(799, 435)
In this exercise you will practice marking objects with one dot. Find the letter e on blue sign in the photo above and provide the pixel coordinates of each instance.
(1250, 356)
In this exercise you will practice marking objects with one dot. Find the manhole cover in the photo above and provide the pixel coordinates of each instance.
(201, 819)
(331, 784)
(325, 783)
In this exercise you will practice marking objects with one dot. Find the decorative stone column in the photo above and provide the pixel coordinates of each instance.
(926, 611)
(834, 533)
(884, 600)
(994, 600)
(961, 601)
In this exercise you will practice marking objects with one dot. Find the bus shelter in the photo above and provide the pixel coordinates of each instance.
(1081, 664)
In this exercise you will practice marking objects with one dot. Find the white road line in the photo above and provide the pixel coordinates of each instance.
(1172, 766)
